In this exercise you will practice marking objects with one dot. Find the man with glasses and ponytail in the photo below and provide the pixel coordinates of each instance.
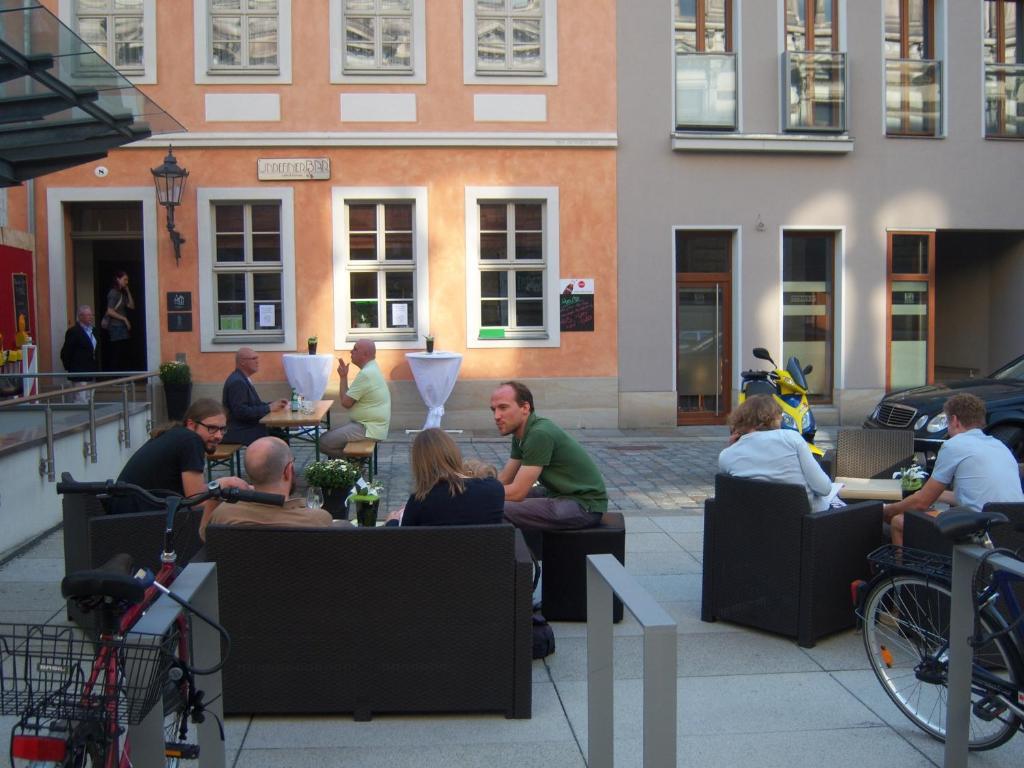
(175, 459)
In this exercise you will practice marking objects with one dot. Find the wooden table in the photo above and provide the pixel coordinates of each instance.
(880, 489)
(306, 426)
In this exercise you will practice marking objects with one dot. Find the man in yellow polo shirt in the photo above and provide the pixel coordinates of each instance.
(367, 401)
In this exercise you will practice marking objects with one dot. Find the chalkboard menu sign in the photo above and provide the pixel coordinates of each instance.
(576, 305)
(19, 281)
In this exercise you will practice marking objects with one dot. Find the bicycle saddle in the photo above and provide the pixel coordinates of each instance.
(113, 579)
(960, 522)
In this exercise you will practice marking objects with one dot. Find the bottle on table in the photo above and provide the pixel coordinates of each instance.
(295, 401)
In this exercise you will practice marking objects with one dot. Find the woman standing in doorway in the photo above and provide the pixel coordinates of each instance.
(119, 327)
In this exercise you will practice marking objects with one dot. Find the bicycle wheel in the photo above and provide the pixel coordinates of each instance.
(906, 634)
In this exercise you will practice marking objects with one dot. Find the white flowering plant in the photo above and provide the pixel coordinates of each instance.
(911, 478)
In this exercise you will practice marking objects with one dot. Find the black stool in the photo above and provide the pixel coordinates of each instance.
(564, 582)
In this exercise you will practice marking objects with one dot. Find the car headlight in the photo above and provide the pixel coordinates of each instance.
(788, 422)
(919, 424)
(874, 413)
(938, 423)
(805, 422)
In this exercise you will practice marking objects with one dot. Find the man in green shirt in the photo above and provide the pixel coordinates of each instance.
(571, 492)
(367, 401)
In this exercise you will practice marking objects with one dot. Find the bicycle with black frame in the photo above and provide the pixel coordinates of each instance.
(75, 696)
(905, 615)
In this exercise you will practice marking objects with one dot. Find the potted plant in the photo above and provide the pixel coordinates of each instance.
(335, 477)
(911, 479)
(430, 343)
(311, 344)
(367, 499)
(176, 377)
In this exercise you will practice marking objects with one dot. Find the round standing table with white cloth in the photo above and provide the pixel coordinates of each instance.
(435, 374)
(308, 374)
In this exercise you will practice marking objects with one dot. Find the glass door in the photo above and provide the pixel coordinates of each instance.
(701, 378)
(703, 329)
(911, 358)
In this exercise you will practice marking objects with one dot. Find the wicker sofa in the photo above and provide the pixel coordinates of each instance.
(387, 620)
(770, 563)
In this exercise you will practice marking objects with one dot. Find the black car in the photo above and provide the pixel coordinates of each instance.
(920, 409)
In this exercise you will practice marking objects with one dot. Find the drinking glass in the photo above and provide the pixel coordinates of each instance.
(314, 497)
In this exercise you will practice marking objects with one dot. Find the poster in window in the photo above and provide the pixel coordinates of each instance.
(576, 304)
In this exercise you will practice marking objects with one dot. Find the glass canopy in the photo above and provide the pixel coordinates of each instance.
(61, 103)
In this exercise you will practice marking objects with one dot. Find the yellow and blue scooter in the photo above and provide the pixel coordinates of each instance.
(789, 388)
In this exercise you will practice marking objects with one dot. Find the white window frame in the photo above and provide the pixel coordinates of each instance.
(204, 72)
(345, 336)
(418, 76)
(548, 196)
(68, 13)
(549, 51)
(206, 198)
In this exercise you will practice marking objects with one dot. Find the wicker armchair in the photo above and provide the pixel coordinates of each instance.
(872, 452)
(92, 537)
(919, 532)
(770, 563)
(386, 620)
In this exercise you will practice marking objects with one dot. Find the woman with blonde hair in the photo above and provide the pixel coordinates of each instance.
(444, 493)
(760, 450)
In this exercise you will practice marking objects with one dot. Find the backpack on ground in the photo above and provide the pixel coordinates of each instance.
(543, 637)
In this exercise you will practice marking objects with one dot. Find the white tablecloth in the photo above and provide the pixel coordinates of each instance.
(435, 374)
(308, 374)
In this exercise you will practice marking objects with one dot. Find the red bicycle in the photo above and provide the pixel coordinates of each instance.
(75, 696)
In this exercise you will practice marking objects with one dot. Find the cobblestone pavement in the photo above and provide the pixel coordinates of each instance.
(644, 470)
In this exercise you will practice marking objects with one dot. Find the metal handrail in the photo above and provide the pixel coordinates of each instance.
(606, 575)
(46, 465)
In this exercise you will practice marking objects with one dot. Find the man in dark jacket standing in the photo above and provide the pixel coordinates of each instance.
(243, 403)
(78, 355)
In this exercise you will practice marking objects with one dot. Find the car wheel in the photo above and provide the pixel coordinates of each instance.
(1013, 438)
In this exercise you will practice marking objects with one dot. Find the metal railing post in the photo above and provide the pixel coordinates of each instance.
(127, 441)
(197, 584)
(605, 576)
(961, 655)
(93, 455)
(47, 465)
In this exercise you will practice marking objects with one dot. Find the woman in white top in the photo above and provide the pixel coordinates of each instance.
(760, 450)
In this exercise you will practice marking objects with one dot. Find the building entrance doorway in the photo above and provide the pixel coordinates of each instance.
(107, 238)
(703, 326)
(954, 304)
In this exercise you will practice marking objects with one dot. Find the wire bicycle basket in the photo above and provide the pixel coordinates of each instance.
(53, 672)
(896, 559)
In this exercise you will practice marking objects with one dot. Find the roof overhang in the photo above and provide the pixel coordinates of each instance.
(61, 103)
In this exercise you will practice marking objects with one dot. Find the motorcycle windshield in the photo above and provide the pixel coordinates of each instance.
(796, 372)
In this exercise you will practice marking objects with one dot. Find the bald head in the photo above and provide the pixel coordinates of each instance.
(266, 461)
(247, 360)
(363, 351)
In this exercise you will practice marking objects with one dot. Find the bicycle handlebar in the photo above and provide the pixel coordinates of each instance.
(68, 484)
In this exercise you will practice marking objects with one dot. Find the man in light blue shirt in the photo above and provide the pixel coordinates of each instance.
(980, 468)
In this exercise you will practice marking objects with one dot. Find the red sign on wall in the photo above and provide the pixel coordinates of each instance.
(17, 293)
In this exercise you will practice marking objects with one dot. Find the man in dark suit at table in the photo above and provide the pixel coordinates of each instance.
(244, 406)
(78, 355)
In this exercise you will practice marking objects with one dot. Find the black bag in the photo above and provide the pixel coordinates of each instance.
(543, 637)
